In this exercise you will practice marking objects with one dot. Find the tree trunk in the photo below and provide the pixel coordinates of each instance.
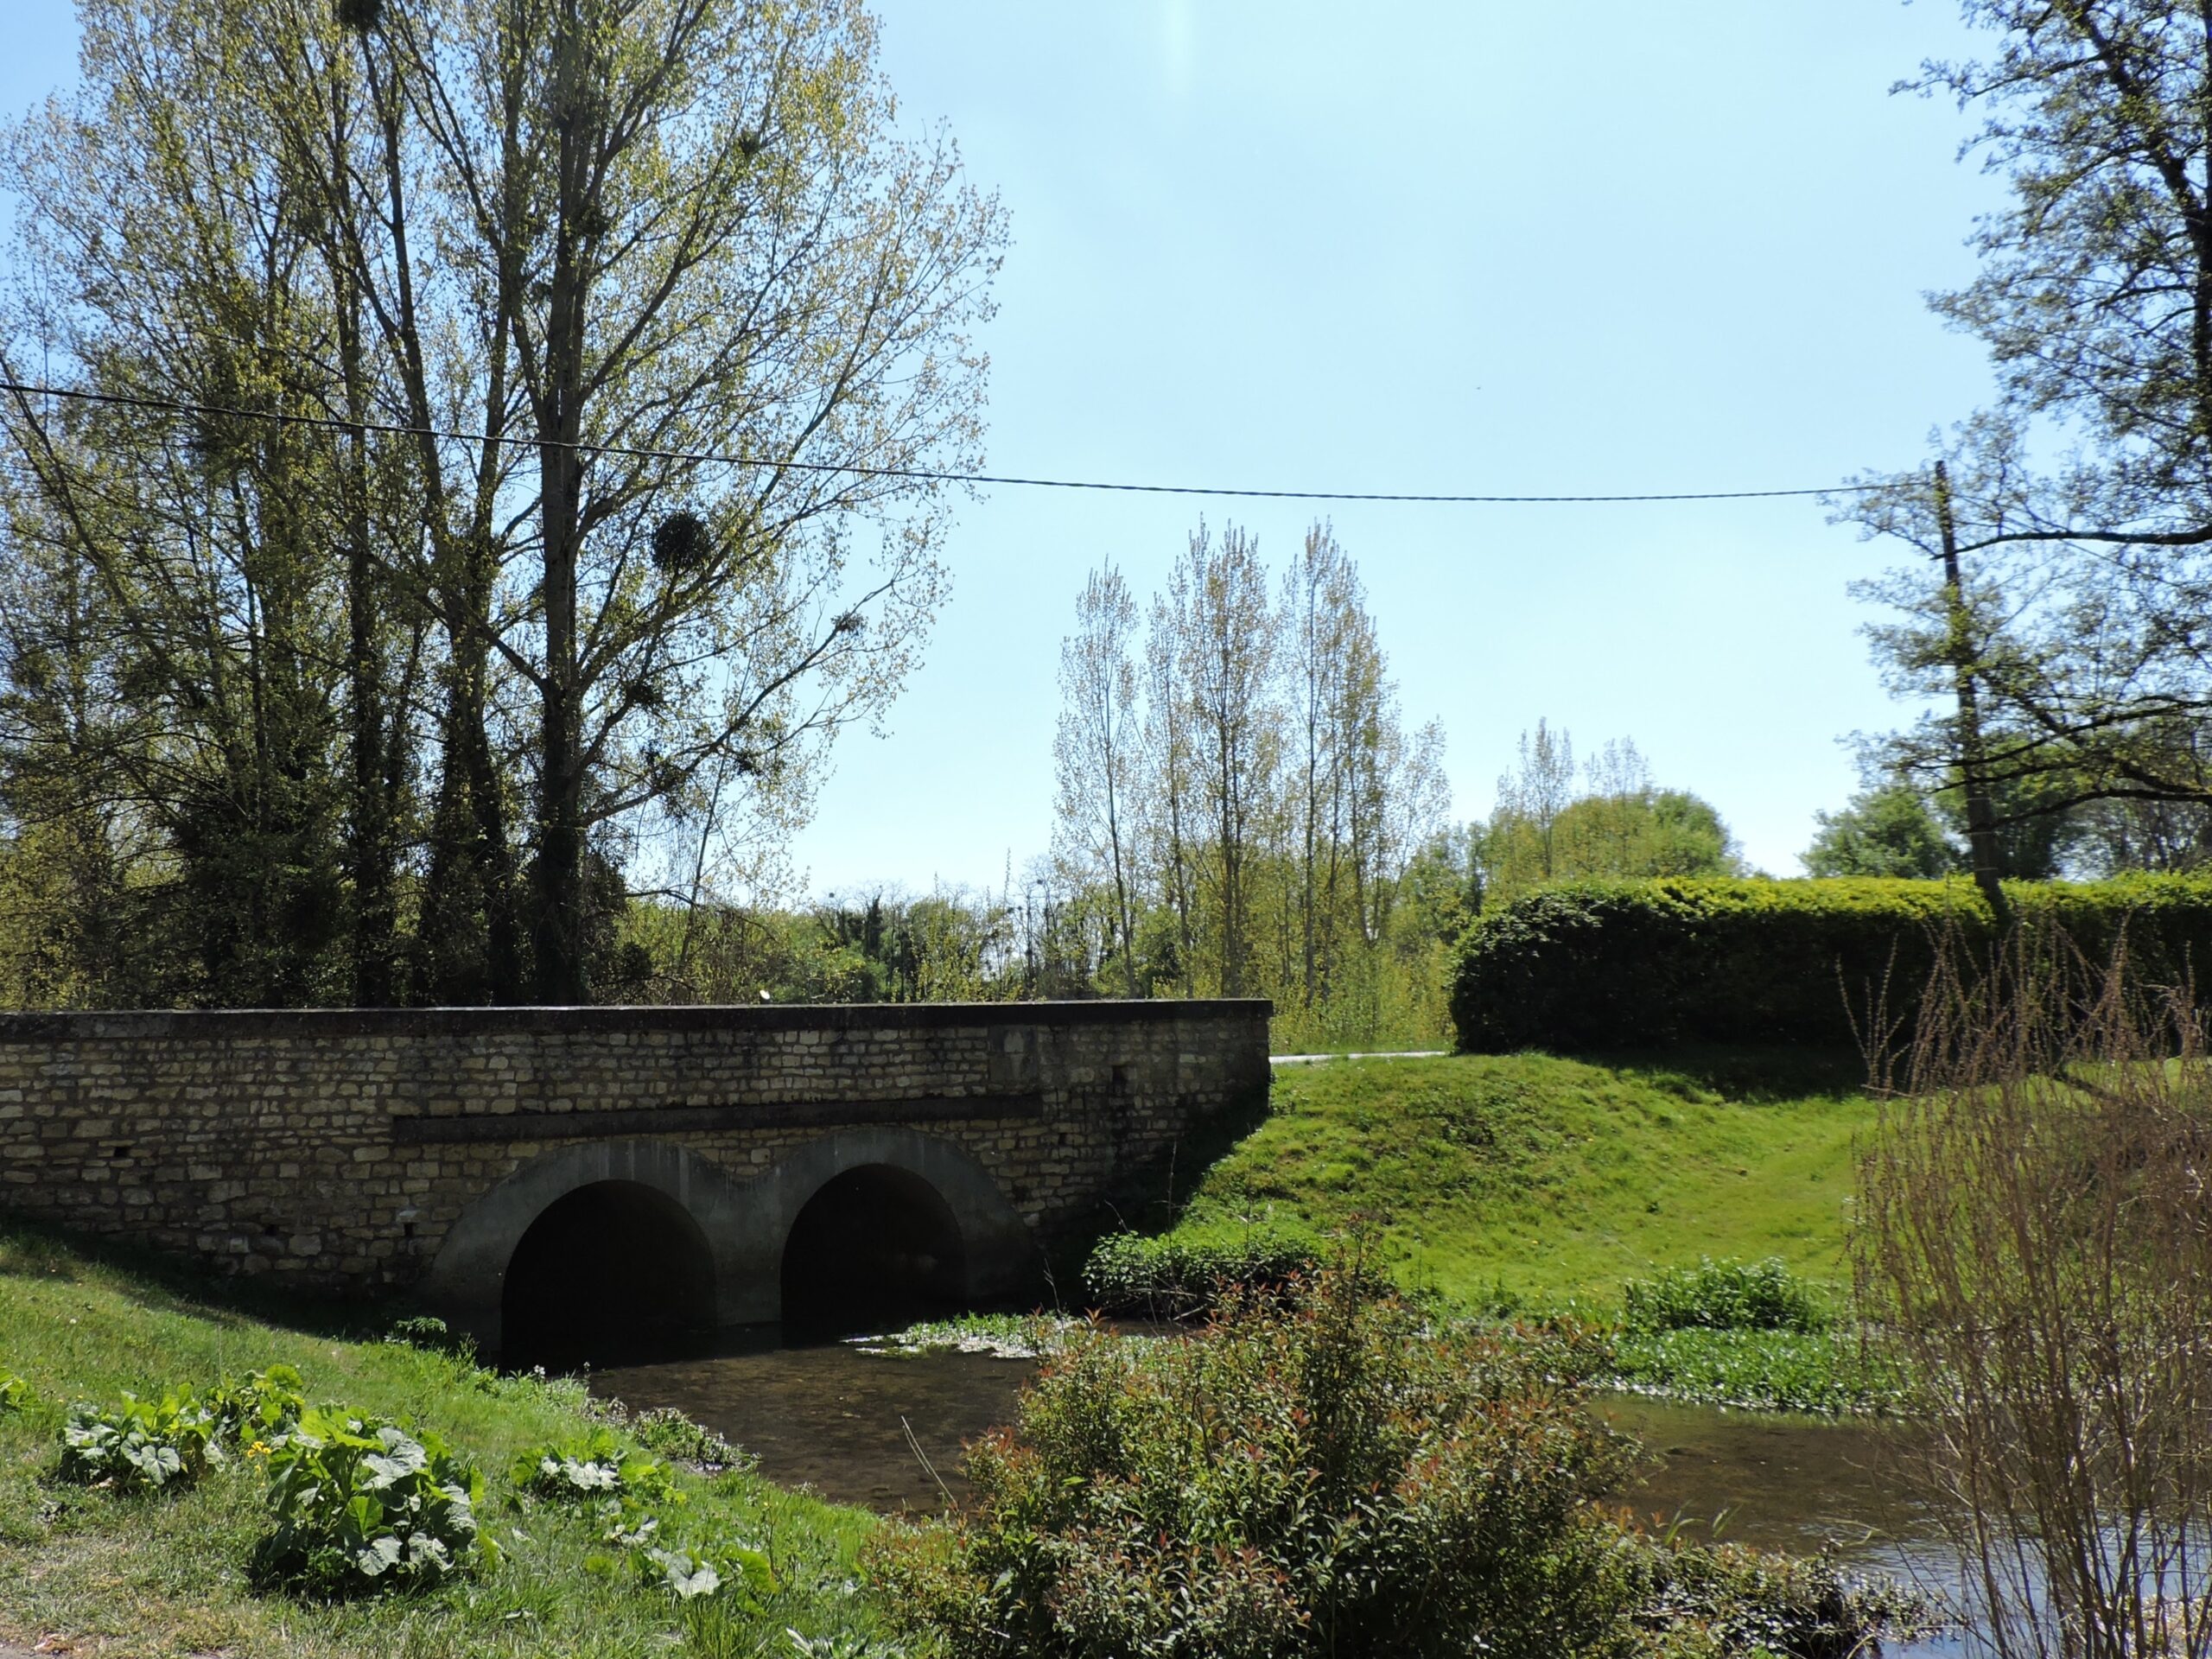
(1981, 816)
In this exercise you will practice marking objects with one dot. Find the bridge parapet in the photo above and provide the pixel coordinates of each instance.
(341, 1148)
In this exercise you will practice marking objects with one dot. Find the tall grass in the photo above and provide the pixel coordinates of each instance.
(2035, 1241)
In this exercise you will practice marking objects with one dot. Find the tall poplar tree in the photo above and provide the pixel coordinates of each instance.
(1097, 755)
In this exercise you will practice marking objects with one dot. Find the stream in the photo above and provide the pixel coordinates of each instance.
(856, 1427)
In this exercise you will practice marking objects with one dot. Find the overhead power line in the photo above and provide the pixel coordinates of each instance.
(920, 475)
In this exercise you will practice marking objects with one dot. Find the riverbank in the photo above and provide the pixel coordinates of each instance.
(168, 1573)
(1530, 1185)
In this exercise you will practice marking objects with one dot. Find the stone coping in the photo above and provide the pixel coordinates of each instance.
(408, 1129)
(168, 1024)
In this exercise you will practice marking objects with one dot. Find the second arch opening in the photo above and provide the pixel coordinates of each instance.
(874, 1247)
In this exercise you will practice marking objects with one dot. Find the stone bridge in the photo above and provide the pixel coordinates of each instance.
(521, 1170)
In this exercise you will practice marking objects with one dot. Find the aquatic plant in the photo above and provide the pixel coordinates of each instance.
(1178, 1275)
(1727, 1295)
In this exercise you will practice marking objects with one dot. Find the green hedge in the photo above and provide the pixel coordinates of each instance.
(1641, 964)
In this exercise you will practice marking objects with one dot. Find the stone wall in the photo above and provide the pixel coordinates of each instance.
(341, 1149)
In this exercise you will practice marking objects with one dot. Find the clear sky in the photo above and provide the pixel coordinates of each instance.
(1456, 247)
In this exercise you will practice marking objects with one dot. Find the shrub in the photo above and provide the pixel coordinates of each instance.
(139, 1445)
(425, 1332)
(259, 1408)
(1640, 964)
(2033, 1240)
(595, 1466)
(1175, 1275)
(362, 1507)
(1319, 1472)
(1724, 1296)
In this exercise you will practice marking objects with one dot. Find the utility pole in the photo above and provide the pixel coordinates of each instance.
(1981, 814)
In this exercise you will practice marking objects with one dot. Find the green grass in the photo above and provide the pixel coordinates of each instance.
(162, 1575)
(1537, 1180)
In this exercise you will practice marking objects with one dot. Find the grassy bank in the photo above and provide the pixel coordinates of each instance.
(1532, 1185)
(1543, 1179)
(164, 1573)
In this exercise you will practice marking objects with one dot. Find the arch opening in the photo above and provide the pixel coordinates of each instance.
(612, 1272)
(874, 1247)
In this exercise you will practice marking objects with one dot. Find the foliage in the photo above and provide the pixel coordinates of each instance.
(592, 1465)
(171, 1576)
(139, 1445)
(260, 1408)
(689, 1573)
(1724, 1296)
(358, 712)
(1836, 964)
(362, 1507)
(669, 1432)
(1008, 1335)
(1315, 1474)
(15, 1393)
(1176, 1275)
(429, 1331)
(1617, 823)
(1889, 831)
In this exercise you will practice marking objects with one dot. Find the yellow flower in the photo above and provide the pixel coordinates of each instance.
(258, 1449)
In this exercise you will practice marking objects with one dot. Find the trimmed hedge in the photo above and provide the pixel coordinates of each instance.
(1655, 963)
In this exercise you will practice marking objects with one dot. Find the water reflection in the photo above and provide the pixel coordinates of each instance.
(1780, 1482)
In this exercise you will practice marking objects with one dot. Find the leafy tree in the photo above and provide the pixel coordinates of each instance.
(1531, 798)
(605, 235)
(2078, 616)
(1225, 661)
(1889, 830)
(1619, 823)
(2113, 835)
(1096, 753)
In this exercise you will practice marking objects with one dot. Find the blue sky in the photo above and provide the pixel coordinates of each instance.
(1465, 247)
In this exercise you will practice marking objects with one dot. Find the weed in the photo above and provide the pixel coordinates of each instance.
(591, 1465)
(138, 1445)
(362, 1507)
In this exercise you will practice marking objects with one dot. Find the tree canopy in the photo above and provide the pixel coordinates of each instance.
(499, 491)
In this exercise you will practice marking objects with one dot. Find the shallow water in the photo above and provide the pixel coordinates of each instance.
(838, 1420)
(829, 1417)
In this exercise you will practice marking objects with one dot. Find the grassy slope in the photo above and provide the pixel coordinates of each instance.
(1555, 1177)
(162, 1575)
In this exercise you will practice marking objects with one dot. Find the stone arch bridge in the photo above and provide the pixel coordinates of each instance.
(514, 1169)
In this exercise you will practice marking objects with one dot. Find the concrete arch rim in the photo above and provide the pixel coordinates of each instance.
(1001, 1252)
(467, 1280)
